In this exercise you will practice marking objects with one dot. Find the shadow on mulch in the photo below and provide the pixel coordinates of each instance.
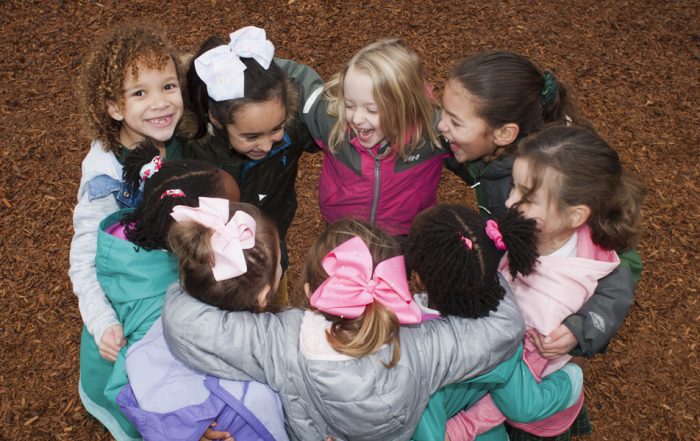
(633, 67)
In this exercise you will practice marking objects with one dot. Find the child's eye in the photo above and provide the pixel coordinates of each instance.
(372, 111)
(138, 93)
(455, 123)
(170, 86)
(251, 137)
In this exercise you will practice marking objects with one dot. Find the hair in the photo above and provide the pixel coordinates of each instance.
(509, 88)
(378, 325)
(123, 49)
(462, 280)
(260, 85)
(148, 225)
(405, 105)
(587, 171)
(191, 242)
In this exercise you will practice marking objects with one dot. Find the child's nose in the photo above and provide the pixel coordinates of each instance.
(358, 117)
(159, 101)
(442, 125)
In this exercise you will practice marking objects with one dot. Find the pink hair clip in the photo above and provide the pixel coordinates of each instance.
(174, 193)
(495, 235)
(467, 241)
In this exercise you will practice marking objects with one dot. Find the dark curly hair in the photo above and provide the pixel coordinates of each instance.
(148, 225)
(462, 280)
(104, 68)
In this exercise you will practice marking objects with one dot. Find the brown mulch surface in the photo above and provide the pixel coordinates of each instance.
(634, 67)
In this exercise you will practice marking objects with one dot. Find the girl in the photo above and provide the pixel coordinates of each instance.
(454, 254)
(165, 399)
(490, 101)
(375, 124)
(245, 106)
(134, 269)
(128, 90)
(342, 368)
(586, 207)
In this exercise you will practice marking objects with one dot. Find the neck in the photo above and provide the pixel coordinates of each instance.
(547, 244)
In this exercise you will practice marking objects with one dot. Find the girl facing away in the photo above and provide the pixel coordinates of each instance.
(374, 121)
(128, 90)
(362, 328)
(164, 398)
(492, 100)
(587, 208)
(134, 269)
(454, 254)
(245, 108)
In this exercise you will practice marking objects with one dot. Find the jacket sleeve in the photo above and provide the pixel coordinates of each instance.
(456, 348)
(231, 345)
(599, 319)
(313, 107)
(95, 308)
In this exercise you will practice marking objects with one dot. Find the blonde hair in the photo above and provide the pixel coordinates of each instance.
(378, 325)
(104, 68)
(406, 108)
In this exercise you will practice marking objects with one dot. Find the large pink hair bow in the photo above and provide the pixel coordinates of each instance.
(221, 68)
(230, 237)
(351, 286)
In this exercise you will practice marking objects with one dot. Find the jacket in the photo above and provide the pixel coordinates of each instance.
(343, 397)
(599, 319)
(374, 185)
(135, 282)
(101, 193)
(268, 183)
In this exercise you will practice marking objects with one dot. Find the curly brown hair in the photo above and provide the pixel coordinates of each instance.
(123, 48)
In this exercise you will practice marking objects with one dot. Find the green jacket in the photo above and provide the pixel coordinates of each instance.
(135, 281)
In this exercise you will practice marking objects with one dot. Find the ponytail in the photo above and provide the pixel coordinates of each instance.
(367, 334)
(142, 154)
(620, 226)
(520, 237)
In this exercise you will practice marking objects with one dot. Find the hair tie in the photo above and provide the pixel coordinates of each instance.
(230, 237)
(351, 286)
(467, 241)
(175, 193)
(495, 235)
(221, 68)
(549, 89)
(151, 168)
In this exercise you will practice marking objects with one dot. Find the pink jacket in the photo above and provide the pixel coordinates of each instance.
(388, 192)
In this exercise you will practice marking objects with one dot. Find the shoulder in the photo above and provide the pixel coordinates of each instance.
(100, 162)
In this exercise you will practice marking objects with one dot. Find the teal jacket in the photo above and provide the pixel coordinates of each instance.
(135, 281)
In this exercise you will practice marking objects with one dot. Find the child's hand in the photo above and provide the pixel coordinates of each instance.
(560, 342)
(215, 434)
(111, 343)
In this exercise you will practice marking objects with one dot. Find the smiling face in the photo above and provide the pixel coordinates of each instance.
(151, 105)
(256, 128)
(469, 135)
(361, 111)
(554, 223)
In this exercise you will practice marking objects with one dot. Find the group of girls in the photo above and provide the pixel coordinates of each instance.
(179, 254)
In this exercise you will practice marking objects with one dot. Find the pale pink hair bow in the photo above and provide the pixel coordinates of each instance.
(351, 286)
(230, 237)
(221, 68)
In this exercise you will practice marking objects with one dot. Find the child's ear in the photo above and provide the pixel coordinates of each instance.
(262, 297)
(578, 215)
(307, 290)
(215, 122)
(113, 111)
(506, 134)
(417, 281)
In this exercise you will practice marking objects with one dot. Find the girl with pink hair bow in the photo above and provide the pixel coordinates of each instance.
(359, 363)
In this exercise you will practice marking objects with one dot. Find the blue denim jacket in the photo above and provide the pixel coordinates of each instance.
(102, 186)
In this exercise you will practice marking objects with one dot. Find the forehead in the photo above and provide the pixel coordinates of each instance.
(457, 101)
(259, 117)
(358, 85)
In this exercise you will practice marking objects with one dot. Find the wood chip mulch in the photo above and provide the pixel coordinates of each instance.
(633, 66)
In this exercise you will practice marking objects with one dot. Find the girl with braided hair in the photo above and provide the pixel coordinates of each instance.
(455, 255)
(134, 269)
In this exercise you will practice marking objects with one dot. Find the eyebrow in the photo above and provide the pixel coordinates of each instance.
(259, 133)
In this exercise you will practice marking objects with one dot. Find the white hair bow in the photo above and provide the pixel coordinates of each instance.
(221, 68)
